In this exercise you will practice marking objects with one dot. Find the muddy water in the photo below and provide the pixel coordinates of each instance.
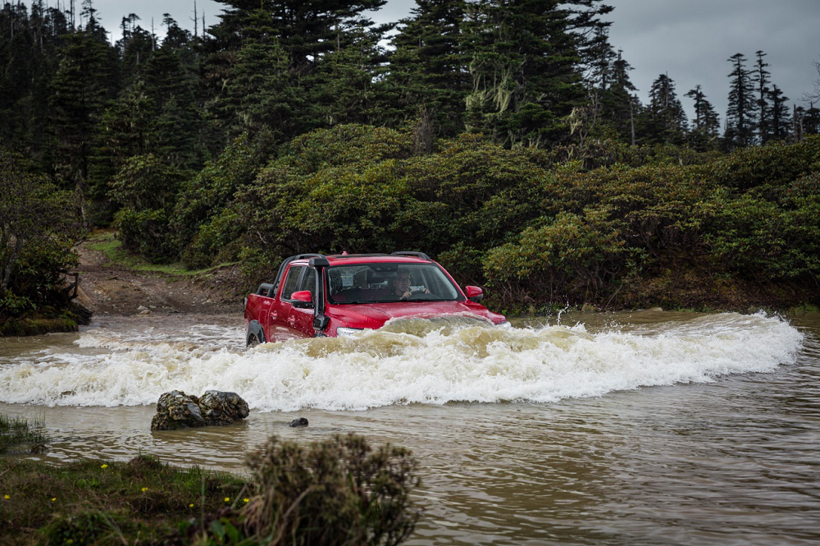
(640, 428)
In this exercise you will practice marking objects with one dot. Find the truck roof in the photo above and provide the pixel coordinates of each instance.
(402, 256)
(352, 259)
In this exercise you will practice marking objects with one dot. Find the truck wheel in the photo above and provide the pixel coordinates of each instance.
(254, 340)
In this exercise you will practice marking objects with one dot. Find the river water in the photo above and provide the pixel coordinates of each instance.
(633, 428)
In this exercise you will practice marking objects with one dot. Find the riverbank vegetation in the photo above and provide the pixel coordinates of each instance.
(38, 229)
(338, 491)
(17, 436)
(524, 162)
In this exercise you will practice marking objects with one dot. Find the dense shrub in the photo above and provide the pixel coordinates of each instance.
(569, 256)
(338, 491)
(39, 225)
(776, 164)
(347, 144)
(146, 232)
(761, 226)
(204, 198)
(456, 203)
(146, 189)
(573, 223)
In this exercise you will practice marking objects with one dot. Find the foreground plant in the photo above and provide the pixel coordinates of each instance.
(335, 492)
(16, 436)
(339, 491)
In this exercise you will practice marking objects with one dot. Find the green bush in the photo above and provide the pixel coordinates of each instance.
(147, 233)
(146, 182)
(570, 257)
(39, 226)
(338, 491)
(218, 241)
(82, 529)
(777, 164)
(206, 195)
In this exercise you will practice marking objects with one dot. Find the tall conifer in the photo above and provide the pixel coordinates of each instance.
(526, 67)
(740, 114)
(705, 133)
(663, 121)
(427, 69)
(762, 80)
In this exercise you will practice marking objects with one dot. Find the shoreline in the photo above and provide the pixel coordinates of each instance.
(113, 287)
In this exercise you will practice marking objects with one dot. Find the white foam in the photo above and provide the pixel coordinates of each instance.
(400, 364)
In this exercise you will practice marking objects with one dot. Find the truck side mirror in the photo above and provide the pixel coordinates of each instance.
(475, 293)
(302, 299)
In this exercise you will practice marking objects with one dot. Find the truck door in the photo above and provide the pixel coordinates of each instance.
(281, 311)
(303, 318)
(298, 321)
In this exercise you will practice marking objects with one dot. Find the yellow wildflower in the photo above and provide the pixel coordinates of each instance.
(227, 499)
(6, 497)
(53, 499)
(104, 466)
(246, 500)
(144, 489)
(191, 505)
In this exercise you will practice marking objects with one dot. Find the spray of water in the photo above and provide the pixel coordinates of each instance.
(408, 361)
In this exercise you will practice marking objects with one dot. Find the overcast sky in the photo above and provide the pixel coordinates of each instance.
(690, 40)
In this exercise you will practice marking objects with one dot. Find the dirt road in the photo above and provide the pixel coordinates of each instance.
(107, 288)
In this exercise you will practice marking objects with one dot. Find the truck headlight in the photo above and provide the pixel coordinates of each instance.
(348, 332)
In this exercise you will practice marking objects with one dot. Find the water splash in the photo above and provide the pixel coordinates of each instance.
(408, 361)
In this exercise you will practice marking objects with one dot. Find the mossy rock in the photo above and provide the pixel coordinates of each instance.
(46, 321)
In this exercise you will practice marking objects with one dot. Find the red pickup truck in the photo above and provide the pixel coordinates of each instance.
(316, 295)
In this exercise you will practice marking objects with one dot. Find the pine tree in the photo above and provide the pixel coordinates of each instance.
(427, 69)
(740, 115)
(124, 131)
(342, 88)
(764, 114)
(598, 58)
(170, 82)
(28, 59)
(619, 104)
(780, 125)
(260, 90)
(810, 120)
(306, 30)
(83, 82)
(526, 67)
(271, 51)
(663, 121)
(705, 134)
(134, 48)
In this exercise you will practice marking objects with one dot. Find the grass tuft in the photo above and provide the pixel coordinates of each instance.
(16, 436)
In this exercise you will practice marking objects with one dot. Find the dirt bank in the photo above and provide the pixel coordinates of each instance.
(108, 288)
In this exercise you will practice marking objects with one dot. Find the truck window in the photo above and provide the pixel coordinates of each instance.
(309, 282)
(292, 281)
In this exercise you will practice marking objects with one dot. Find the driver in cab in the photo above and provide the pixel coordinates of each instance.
(401, 286)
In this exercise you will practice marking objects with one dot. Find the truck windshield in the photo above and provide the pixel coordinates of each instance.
(389, 282)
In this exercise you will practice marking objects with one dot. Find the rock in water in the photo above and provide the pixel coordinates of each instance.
(222, 408)
(177, 410)
(300, 422)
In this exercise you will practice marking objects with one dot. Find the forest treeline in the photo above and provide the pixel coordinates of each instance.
(504, 138)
